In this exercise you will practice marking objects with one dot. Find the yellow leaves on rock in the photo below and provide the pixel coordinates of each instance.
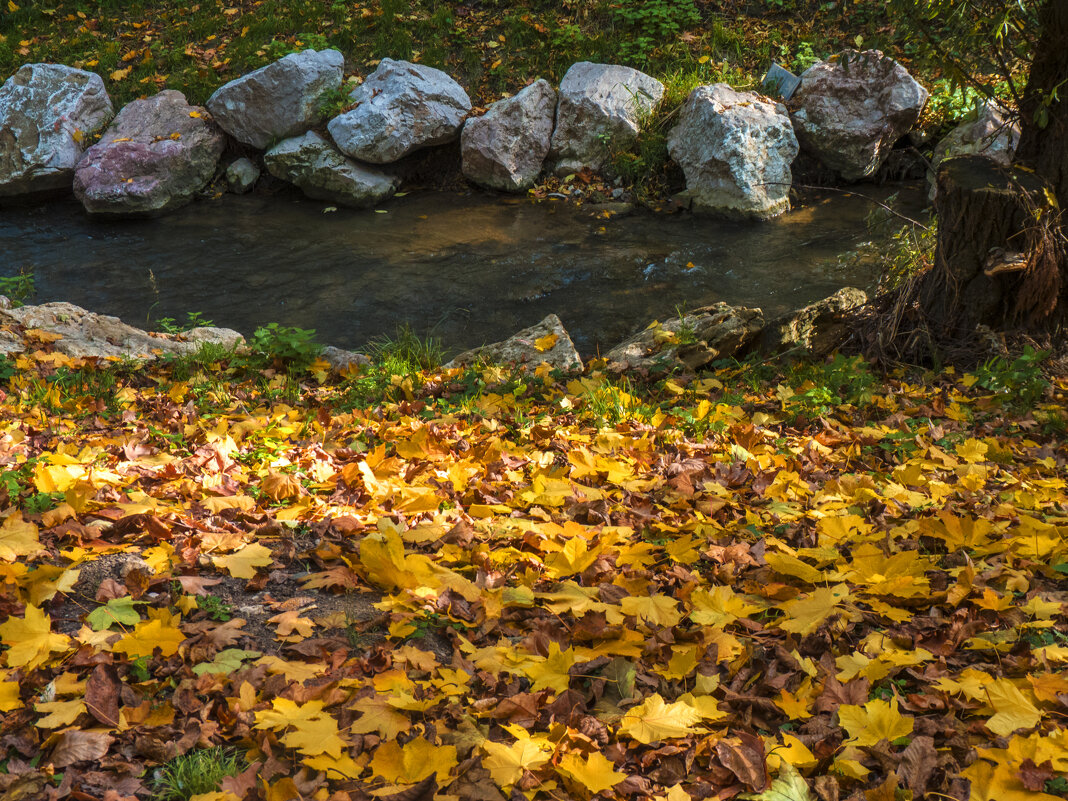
(159, 631)
(31, 639)
(804, 615)
(413, 761)
(876, 720)
(508, 763)
(654, 719)
(308, 727)
(18, 538)
(1012, 708)
(243, 563)
(547, 342)
(595, 772)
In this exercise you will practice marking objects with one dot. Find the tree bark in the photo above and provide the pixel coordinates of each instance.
(1044, 148)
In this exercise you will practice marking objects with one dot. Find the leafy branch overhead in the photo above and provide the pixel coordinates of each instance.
(259, 580)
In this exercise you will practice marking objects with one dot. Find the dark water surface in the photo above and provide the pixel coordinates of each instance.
(469, 269)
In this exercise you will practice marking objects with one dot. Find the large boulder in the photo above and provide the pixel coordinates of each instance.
(989, 134)
(155, 156)
(689, 342)
(86, 334)
(312, 163)
(849, 110)
(547, 341)
(816, 329)
(601, 106)
(401, 107)
(47, 112)
(735, 149)
(506, 147)
(280, 100)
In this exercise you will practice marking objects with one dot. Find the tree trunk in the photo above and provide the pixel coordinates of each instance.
(1044, 148)
(984, 211)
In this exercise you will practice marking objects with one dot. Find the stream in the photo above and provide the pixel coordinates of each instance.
(465, 268)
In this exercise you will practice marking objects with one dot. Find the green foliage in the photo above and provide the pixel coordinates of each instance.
(407, 350)
(291, 348)
(215, 607)
(839, 381)
(18, 288)
(1021, 379)
(169, 325)
(334, 101)
(645, 24)
(199, 771)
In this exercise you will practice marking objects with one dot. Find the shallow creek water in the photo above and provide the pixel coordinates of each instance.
(468, 269)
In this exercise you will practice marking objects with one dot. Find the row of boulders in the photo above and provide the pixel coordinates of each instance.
(735, 148)
(690, 342)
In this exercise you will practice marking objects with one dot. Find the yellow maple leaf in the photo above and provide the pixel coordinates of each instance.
(507, 763)
(9, 692)
(31, 639)
(804, 615)
(379, 716)
(999, 783)
(659, 610)
(383, 558)
(876, 720)
(159, 631)
(1012, 708)
(547, 342)
(59, 713)
(413, 762)
(552, 672)
(596, 773)
(243, 563)
(654, 719)
(18, 538)
(309, 728)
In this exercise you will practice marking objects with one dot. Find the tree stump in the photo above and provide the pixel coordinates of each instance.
(986, 227)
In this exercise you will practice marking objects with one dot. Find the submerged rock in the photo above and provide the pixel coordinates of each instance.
(601, 106)
(989, 134)
(242, 175)
(86, 334)
(312, 163)
(506, 147)
(691, 342)
(155, 156)
(401, 107)
(816, 329)
(851, 109)
(47, 113)
(735, 149)
(547, 341)
(277, 101)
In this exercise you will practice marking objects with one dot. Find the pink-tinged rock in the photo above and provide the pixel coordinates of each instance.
(156, 155)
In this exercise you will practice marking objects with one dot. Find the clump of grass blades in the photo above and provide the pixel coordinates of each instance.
(199, 771)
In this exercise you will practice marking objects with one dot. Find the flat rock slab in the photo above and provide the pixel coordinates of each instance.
(735, 149)
(47, 113)
(600, 107)
(280, 100)
(849, 110)
(154, 157)
(816, 329)
(401, 107)
(547, 341)
(505, 148)
(86, 334)
(314, 164)
(689, 342)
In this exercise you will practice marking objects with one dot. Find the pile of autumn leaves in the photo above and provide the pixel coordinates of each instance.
(515, 598)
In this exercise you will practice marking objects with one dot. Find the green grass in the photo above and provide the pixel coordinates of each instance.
(199, 771)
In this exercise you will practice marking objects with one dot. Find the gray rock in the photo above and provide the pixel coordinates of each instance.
(601, 106)
(312, 163)
(505, 148)
(280, 100)
(850, 110)
(242, 175)
(341, 361)
(155, 156)
(47, 112)
(989, 134)
(528, 348)
(691, 341)
(735, 149)
(87, 334)
(817, 329)
(402, 107)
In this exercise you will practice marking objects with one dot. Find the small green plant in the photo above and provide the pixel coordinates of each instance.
(41, 502)
(199, 771)
(407, 350)
(278, 345)
(169, 325)
(334, 101)
(1021, 379)
(646, 24)
(18, 288)
(215, 608)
